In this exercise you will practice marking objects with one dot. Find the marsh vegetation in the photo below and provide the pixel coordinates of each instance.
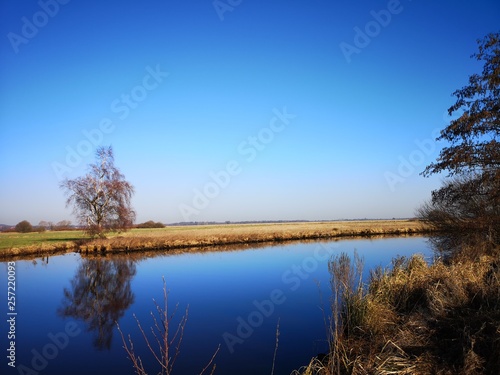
(415, 317)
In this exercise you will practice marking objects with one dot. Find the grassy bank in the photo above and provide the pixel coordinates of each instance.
(17, 244)
(416, 318)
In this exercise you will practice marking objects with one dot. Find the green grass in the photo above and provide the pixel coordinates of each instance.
(13, 239)
(10, 240)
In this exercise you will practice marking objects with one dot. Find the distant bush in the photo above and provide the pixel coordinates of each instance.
(24, 227)
(63, 225)
(151, 224)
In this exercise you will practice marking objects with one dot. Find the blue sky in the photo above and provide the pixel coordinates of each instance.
(232, 110)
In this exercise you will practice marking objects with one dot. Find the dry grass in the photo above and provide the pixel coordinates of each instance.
(416, 318)
(184, 237)
(39, 250)
(218, 235)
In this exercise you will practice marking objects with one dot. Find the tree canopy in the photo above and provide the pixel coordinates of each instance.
(474, 136)
(471, 196)
(101, 198)
(24, 227)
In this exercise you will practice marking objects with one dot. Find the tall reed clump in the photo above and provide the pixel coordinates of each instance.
(414, 318)
(349, 306)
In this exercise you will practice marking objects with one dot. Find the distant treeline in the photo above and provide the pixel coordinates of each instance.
(186, 223)
(26, 227)
(150, 224)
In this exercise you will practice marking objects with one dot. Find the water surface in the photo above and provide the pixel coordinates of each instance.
(67, 307)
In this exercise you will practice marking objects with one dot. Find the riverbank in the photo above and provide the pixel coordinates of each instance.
(416, 318)
(184, 237)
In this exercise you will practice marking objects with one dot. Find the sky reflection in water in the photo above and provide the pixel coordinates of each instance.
(234, 299)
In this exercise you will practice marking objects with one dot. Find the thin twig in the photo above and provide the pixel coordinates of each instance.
(160, 344)
(209, 363)
(276, 346)
(136, 361)
(146, 339)
(160, 332)
(180, 332)
(165, 322)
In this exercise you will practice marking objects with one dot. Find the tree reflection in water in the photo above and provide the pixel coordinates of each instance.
(100, 294)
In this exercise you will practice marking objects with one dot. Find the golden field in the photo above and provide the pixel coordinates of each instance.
(182, 237)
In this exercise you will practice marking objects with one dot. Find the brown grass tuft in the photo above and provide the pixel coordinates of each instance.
(415, 318)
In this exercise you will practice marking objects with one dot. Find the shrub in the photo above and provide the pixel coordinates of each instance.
(151, 224)
(24, 227)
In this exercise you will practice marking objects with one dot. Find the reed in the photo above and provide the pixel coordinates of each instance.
(414, 318)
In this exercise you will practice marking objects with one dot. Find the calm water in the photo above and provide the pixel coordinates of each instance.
(67, 307)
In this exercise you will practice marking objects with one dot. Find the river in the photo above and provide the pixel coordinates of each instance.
(67, 306)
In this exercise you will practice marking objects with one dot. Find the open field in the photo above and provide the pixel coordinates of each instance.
(12, 244)
(10, 240)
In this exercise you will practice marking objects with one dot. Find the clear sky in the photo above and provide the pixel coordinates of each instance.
(232, 110)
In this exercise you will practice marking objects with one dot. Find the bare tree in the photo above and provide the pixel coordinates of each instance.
(471, 198)
(475, 136)
(63, 225)
(101, 198)
(43, 224)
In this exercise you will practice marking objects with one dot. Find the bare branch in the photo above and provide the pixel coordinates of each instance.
(165, 343)
(210, 362)
(276, 346)
(136, 361)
